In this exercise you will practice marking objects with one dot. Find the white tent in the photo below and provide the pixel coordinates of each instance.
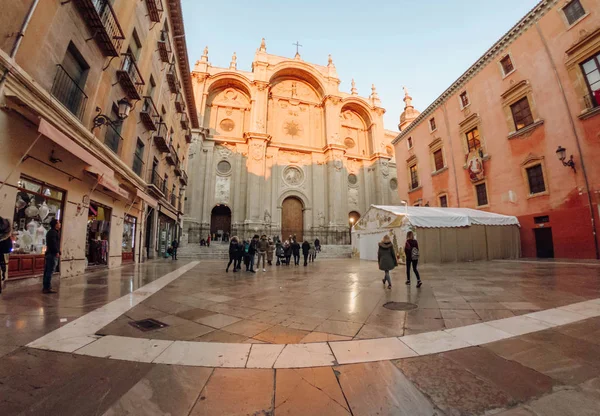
(444, 234)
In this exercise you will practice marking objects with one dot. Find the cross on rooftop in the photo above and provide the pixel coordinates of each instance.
(297, 45)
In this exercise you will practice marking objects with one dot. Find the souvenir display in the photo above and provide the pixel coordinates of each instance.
(43, 211)
(31, 210)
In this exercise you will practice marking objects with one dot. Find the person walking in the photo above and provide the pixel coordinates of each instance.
(6, 245)
(208, 241)
(305, 251)
(279, 252)
(411, 249)
(387, 259)
(262, 247)
(312, 254)
(317, 247)
(239, 255)
(174, 245)
(287, 252)
(52, 255)
(270, 251)
(296, 252)
(252, 249)
(233, 254)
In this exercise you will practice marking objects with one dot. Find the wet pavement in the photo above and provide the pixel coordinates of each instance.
(553, 371)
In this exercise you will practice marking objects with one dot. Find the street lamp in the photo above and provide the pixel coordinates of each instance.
(561, 153)
(351, 225)
(124, 107)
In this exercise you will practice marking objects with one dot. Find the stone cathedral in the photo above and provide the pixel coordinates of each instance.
(283, 151)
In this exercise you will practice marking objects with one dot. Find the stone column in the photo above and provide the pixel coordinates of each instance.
(256, 167)
(338, 188)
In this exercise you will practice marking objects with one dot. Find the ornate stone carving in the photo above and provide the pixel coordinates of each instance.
(293, 176)
(267, 216)
(475, 166)
(222, 189)
(321, 218)
(257, 150)
(385, 168)
(293, 128)
(353, 197)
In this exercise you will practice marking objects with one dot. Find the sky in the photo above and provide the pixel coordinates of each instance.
(424, 45)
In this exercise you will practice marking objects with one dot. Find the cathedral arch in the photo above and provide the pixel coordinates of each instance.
(299, 71)
(228, 108)
(355, 130)
(295, 194)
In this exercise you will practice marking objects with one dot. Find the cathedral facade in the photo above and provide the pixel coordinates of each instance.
(283, 151)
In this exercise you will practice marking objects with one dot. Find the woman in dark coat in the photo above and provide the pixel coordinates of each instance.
(387, 259)
(287, 251)
(233, 254)
(305, 250)
(411, 249)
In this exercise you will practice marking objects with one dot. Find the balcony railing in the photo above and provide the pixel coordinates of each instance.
(171, 157)
(185, 121)
(177, 169)
(179, 103)
(149, 114)
(172, 78)
(68, 92)
(160, 138)
(183, 178)
(130, 77)
(155, 10)
(592, 100)
(112, 138)
(155, 182)
(103, 24)
(164, 46)
(138, 164)
(188, 135)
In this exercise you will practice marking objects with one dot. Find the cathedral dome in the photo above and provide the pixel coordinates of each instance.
(409, 114)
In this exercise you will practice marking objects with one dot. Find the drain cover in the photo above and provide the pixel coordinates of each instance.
(400, 306)
(148, 324)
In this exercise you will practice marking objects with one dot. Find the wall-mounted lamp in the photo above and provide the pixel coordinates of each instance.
(124, 107)
(561, 153)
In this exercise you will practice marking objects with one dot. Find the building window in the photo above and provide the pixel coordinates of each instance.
(521, 113)
(69, 81)
(138, 158)
(414, 177)
(432, 125)
(591, 71)
(438, 159)
(464, 99)
(507, 65)
(573, 11)
(151, 86)
(473, 141)
(409, 142)
(481, 191)
(443, 201)
(535, 176)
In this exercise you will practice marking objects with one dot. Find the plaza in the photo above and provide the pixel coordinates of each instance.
(506, 337)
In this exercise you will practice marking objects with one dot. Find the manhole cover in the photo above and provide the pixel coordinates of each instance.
(400, 306)
(148, 324)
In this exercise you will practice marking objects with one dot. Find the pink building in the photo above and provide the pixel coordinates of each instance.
(518, 133)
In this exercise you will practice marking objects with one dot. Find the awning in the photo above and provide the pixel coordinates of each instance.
(147, 198)
(162, 209)
(109, 183)
(70, 146)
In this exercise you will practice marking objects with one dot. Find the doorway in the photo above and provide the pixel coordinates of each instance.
(292, 218)
(543, 243)
(220, 222)
(98, 234)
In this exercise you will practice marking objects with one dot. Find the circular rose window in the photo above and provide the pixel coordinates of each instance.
(224, 167)
(393, 184)
(352, 179)
(349, 143)
(227, 124)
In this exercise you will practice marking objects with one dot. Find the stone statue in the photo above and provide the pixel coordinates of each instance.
(321, 217)
(267, 216)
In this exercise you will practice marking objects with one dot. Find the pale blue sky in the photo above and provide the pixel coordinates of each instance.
(423, 44)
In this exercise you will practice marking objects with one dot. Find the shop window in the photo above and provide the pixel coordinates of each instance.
(573, 11)
(443, 201)
(409, 142)
(473, 140)
(128, 245)
(414, 176)
(98, 234)
(37, 204)
(535, 177)
(482, 197)
(138, 158)
(464, 100)
(507, 65)
(591, 72)
(432, 125)
(521, 113)
(438, 159)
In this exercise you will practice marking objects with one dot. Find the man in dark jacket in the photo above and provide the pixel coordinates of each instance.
(252, 252)
(233, 254)
(305, 250)
(296, 252)
(174, 245)
(52, 254)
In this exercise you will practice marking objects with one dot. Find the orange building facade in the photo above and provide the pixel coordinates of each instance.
(519, 133)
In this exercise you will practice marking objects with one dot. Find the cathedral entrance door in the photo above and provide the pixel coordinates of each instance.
(292, 218)
(220, 221)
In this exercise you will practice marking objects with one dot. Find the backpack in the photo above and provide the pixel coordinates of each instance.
(414, 253)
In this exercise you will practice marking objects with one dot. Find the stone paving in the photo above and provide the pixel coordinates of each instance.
(553, 371)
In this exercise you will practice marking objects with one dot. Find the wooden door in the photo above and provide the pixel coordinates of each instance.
(220, 220)
(543, 243)
(292, 219)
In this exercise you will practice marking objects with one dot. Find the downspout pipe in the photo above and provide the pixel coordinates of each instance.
(577, 141)
(20, 36)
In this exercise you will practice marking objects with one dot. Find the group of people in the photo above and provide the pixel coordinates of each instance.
(263, 248)
(388, 260)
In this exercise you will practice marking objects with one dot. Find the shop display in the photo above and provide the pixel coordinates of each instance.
(98, 234)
